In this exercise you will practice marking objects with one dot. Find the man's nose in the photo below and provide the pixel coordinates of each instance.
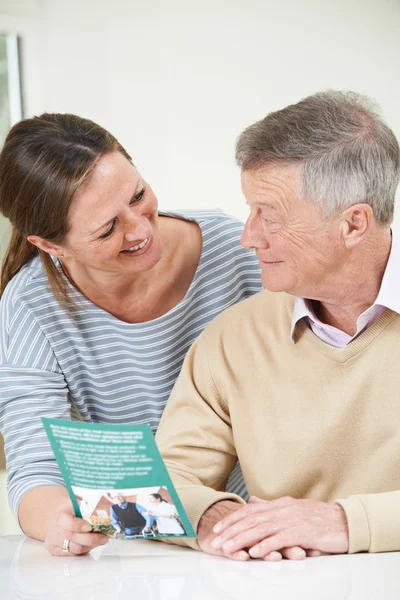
(253, 235)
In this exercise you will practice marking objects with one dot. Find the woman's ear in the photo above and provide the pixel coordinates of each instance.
(354, 223)
(49, 247)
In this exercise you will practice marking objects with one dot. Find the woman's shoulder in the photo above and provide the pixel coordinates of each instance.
(202, 215)
(210, 220)
(29, 283)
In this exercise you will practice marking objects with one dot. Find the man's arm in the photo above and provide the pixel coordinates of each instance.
(114, 520)
(195, 438)
(373, 521)
(196, 441)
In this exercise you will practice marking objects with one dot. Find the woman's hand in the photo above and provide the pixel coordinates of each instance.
(63, 525)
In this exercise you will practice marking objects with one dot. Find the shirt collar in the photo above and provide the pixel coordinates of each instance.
(388, 295)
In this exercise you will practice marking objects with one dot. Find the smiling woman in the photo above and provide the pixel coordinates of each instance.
(102, 296)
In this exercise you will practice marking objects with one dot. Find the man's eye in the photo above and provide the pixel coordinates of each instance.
(108, 233)
(271, 225)
(138, 196)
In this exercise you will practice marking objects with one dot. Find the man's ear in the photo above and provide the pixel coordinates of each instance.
(355, 222)
(49, 247)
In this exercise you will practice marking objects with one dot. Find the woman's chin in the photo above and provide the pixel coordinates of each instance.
(144, 259)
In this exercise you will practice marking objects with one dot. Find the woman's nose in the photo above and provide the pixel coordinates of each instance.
(136, 228)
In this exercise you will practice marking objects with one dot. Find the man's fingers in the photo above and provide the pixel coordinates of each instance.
(283, 539)
(240, 556)
(293, 553)
(261, 521)
(247, 537)
(313, 553)
(248, 513)
(255, 506)
(273, 557)
(255, 500)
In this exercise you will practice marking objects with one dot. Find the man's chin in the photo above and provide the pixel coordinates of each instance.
(273, 285)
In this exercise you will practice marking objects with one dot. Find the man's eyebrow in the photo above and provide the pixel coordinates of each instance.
(265, 203)
(111, 220)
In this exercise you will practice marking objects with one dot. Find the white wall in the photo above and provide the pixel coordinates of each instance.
(177, 80)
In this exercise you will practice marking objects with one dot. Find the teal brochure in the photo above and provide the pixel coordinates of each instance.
(117, 480)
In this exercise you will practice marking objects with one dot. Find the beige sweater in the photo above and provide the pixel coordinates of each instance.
(305, 419)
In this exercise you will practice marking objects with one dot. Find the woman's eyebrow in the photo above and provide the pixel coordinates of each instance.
(139, 183)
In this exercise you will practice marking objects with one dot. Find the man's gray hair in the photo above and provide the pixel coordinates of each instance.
(348, 154)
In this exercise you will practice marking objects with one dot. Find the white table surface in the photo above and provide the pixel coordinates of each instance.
(146, 570)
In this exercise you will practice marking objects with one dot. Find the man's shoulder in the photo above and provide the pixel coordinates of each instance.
(260, 312)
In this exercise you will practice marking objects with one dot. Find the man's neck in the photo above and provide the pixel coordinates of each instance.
(356, 287)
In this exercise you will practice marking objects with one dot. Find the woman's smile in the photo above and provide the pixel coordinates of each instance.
(139, 248)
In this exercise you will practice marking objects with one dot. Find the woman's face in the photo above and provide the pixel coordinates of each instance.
(113, 220)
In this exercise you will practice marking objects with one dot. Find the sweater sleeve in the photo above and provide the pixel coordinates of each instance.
(374, 521)
(114, 520)
(31, 386)
(195, 438)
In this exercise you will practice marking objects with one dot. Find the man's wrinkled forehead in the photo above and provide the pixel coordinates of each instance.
(269, 186)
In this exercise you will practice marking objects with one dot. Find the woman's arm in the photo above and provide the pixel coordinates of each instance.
(33, 386)
(45, 513)
(37, 507)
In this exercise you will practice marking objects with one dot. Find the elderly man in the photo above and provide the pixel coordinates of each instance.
(301, 382)
(130, 518)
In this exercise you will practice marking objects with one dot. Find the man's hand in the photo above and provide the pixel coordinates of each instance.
(227, 509)
(206, 535)
(265, 527)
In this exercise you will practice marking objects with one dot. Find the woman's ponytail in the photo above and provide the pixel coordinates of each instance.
(18, 253)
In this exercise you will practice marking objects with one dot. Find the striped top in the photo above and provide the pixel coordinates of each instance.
(96, 367)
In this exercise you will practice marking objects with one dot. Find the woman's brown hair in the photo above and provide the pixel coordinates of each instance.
(44, 161)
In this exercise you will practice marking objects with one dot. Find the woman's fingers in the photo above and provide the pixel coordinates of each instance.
(70, 535)
(78, 543)
(65, 519)
(89, 540)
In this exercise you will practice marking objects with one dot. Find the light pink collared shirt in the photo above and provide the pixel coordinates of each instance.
(388, 297)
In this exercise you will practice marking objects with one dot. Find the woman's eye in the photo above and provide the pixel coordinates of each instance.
(138, 196)
(108, 233)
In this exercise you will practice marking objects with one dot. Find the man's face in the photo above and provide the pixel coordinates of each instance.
(296, 247)
(119, 499)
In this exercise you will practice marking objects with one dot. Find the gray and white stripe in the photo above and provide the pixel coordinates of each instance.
(96, 367)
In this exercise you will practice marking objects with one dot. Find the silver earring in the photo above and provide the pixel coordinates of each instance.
(61, 255)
